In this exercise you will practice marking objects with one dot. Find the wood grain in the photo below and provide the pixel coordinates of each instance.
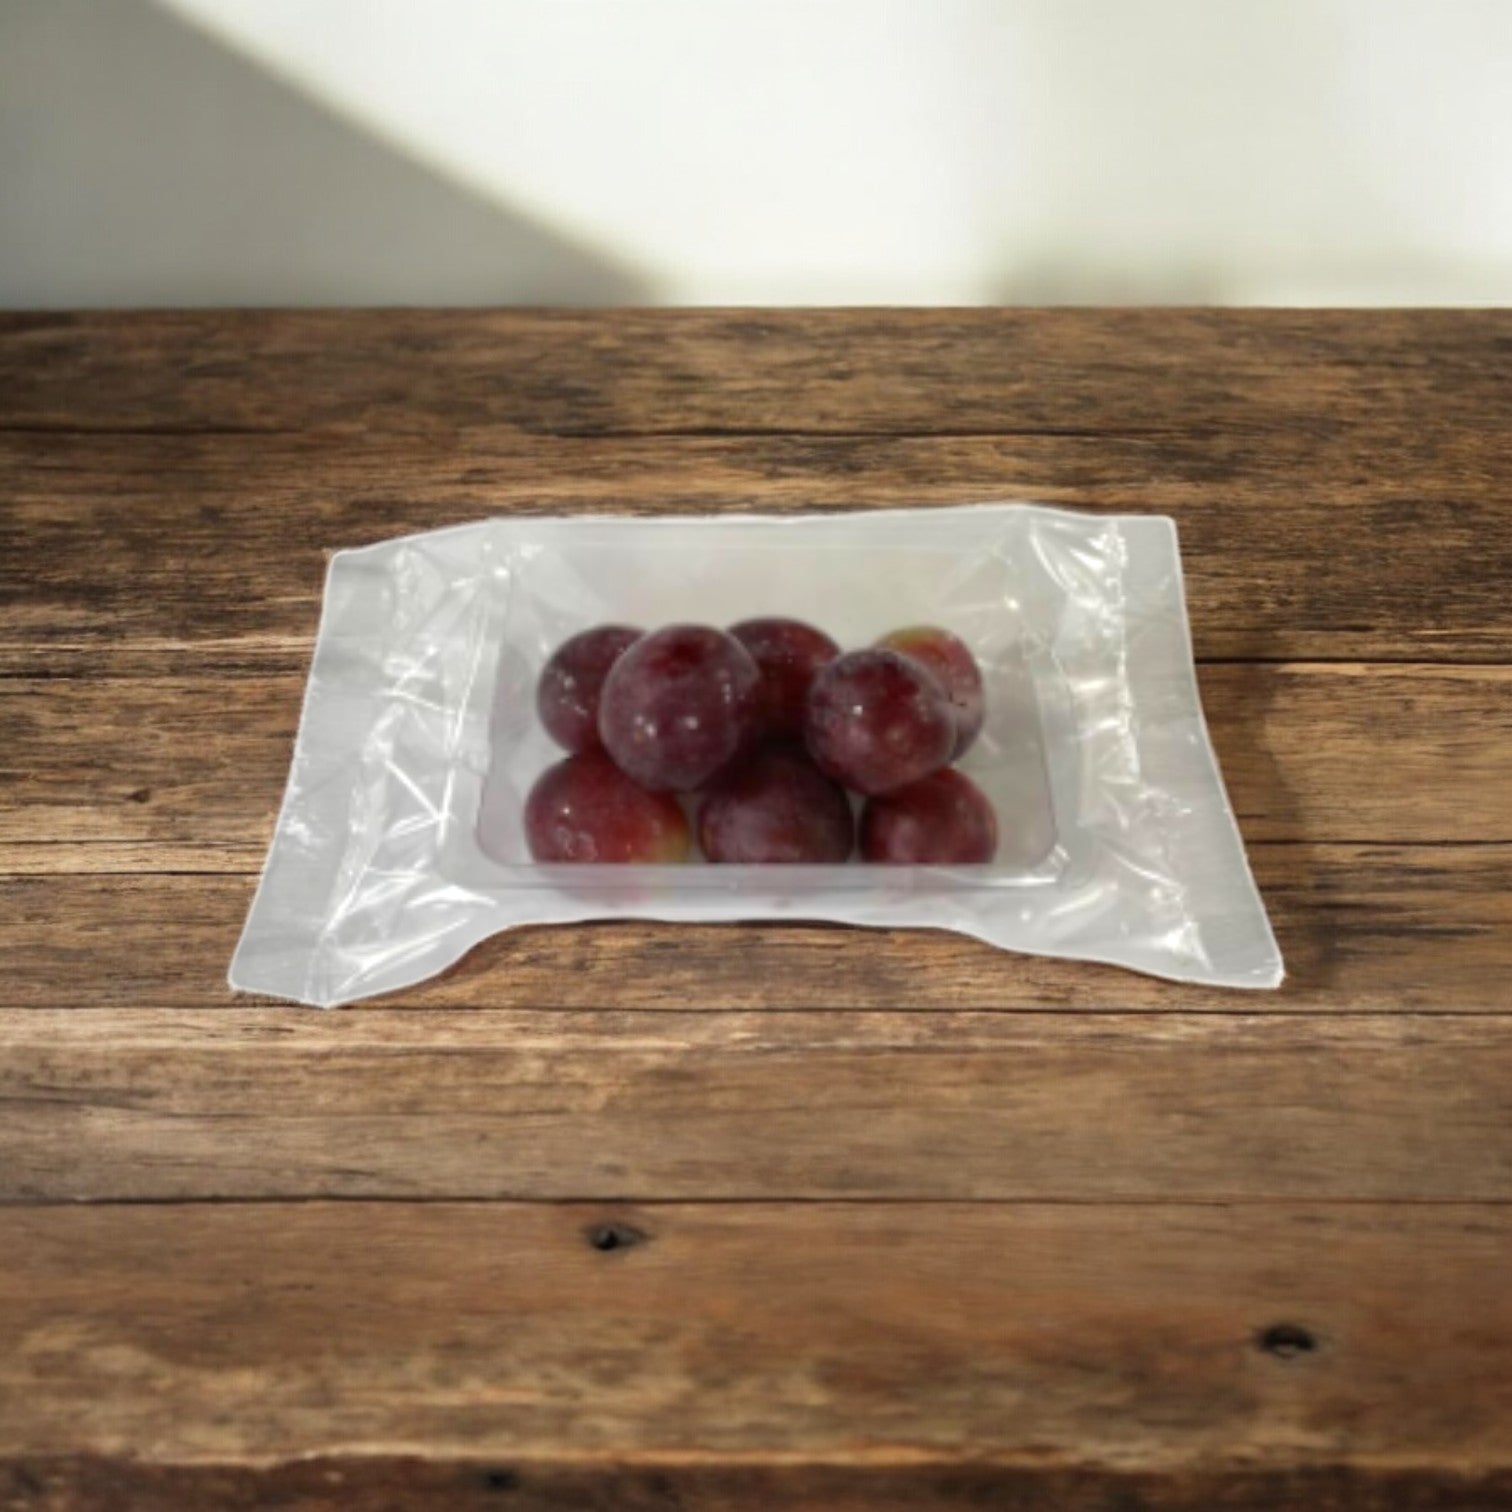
(1127, 1337)
(1361, 927)
(386, 1483)
(258, 1104)
(1310, 752)
(132, 552)
(679, 372)
(815, 1218)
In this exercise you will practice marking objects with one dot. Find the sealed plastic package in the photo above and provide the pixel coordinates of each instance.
(400, 843)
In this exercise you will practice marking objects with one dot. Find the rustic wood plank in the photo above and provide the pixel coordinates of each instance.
(136, 551)
(1129, 1337)
(259, 1104)
(1361, 927)
(1310, 752)
(634, 372)
(385, 1483)
(111, 858)
(1149, 1194)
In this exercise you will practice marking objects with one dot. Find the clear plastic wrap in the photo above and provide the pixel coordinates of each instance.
(419, 735)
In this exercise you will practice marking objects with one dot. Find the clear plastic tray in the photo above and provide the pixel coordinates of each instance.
(1117, 842)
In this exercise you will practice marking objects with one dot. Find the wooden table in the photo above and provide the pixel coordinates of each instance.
(770, 1216)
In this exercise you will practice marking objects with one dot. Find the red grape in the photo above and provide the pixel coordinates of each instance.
(790, 655)
(775, 805)
(678, 705)
(585, 809)
(877, 720)
(949, 658)
(567, 695)
(942, 820)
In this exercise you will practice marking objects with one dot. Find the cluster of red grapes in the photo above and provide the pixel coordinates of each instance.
(769, 724)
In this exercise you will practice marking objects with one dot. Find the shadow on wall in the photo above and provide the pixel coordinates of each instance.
(143, 164)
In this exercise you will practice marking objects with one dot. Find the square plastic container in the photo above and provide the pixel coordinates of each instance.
(400, 843)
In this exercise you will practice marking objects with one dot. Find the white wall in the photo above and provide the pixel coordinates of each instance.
(1329, 151)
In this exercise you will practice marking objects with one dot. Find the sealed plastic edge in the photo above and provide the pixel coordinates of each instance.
(310, 856)
(280, 938)
(1202, 842)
